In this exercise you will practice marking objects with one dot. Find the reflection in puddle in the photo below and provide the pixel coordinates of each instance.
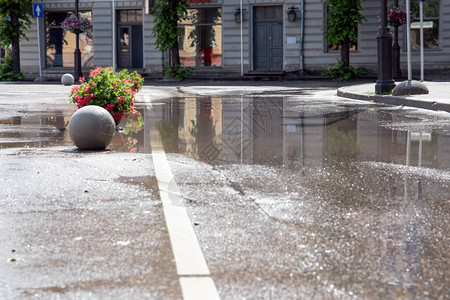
(35, 130)
(47, 129)
(271, 131)
(258, 130)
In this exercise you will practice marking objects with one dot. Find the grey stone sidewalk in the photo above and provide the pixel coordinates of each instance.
(437, 99)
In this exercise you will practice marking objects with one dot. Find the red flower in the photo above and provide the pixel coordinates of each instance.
(75, 88)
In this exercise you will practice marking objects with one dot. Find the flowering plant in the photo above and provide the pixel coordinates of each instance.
(113, 91)
(396, 16)
(130, 144)
(75, 25)
(134, 125)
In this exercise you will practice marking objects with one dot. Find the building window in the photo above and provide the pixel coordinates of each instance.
(60, 44)
(131, 15)
(200, 41)
(431, 25)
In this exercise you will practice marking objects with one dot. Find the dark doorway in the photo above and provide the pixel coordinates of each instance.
(129, 43)
(268, 38)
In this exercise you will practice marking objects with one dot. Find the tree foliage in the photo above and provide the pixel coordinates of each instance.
(6, 71)
(14, 21)
(343, 17)
(167, 14)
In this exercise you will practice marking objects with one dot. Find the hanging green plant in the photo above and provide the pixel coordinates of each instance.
(167, 14)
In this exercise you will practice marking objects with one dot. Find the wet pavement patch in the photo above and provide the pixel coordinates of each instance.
(291, 198)
(333, 199)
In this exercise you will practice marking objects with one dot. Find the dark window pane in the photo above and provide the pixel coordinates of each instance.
(430, 16)
(430, 37)
(269, 12)
(123, 16)
(279, 12)
(139, 15)
(204, 16)
(259, 13)
(430, 9)
(131, 15)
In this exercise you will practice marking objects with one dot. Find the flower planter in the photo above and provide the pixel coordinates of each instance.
(114, 91)
(395, 24)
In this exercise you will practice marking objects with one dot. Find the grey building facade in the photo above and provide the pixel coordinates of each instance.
(216, 43)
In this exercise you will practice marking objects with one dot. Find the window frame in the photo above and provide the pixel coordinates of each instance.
(183, 24)
(439, 22)
(48, 27)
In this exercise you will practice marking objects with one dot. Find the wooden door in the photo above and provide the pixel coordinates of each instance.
(268, 38)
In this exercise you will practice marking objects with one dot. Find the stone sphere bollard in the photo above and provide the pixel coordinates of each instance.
(67, 79)
(407, 88)
(91, 128)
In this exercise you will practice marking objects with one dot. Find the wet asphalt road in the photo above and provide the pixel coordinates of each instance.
(292, 192)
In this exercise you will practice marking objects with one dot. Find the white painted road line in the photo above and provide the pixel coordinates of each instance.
(195, 280)
(199, 288)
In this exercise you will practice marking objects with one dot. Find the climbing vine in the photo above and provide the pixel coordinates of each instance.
(167, 15)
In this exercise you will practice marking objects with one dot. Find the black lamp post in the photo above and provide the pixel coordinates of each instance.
(396, 49)
(77, 53)
(385, 82)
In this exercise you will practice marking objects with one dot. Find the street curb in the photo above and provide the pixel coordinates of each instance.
(395, 100)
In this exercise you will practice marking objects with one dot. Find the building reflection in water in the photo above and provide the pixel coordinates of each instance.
(263, 130)
(35, 130)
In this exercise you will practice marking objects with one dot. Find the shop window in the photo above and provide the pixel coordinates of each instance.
(60, 44)
(431, 25)
(200, 41)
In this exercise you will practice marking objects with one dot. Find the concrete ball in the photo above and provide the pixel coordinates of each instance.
(67, 79)
(413, 87)
(91, 128)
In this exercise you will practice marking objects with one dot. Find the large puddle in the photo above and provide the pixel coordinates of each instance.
(274, 131)
(260, 130)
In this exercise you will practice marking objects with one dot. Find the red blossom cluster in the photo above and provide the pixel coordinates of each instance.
(396, 16)
(113, 91)
(72, 23)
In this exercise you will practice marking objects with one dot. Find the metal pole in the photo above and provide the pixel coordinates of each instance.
(77, 53)
(408, 38)
(39, 46)
(114, 37)
(242, 40)
(385, 82)
(302, 36)
(396, 50)
(421, 42)
(242, 128)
